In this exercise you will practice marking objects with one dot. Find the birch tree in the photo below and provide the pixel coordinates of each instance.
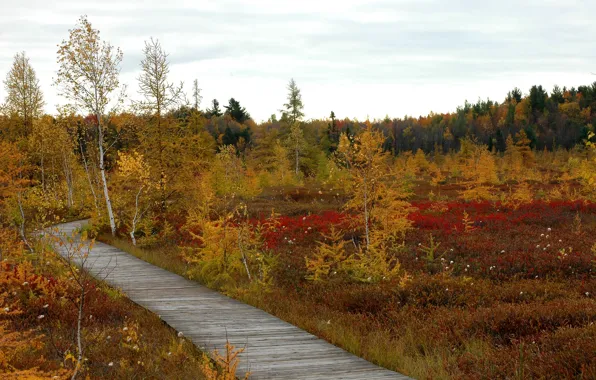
(159, 96)
(24, 97)
(134, 173)
(88, 77)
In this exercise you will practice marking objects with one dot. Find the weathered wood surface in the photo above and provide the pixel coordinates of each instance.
(274, 349)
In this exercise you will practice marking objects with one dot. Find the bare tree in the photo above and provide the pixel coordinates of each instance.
(24, 96)
(88, 77)
(196, 94)
(159, 96)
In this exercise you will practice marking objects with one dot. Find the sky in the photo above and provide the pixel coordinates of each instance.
(361, 59)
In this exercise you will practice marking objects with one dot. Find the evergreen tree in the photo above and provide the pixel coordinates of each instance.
(333, 133)
(557, 95)
(500, 143)
(214, 110)
(538, 98)
(293, 108)
(236, 111)
(514, 94)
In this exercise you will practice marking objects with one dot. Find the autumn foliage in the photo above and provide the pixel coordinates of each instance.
(457, 245)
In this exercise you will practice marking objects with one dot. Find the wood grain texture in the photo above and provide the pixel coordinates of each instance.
(274, 349)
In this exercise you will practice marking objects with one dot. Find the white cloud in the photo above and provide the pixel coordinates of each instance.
(356, 57)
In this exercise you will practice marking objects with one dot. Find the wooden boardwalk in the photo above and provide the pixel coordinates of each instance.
(274, 349)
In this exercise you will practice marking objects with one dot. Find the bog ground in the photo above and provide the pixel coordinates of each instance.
(447, 246)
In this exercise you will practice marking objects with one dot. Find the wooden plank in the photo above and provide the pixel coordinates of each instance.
(274, 349)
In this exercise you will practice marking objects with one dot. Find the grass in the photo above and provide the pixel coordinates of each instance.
(496, 307)
(378, 346)
(166, 258)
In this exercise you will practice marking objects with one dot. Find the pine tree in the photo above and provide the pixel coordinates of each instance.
(333, 133)
(293, 109)
(236, 111)
(214, 111)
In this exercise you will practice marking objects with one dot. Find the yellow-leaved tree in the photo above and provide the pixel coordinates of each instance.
(14, 182)
(480, 171)
(329, 258)
(227, 249)
(378, 196)
(513, 160)
(587, 171)
(133, 180)
(282, 170)
(88, 76)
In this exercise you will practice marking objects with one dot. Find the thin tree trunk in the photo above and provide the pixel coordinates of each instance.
(136, 218)
(297, 161)
(89, 179)
(79, 338)
(162, 179)
(43, 173)
(103, 178)
(22, 224)
(366, 228)
(244, 261)
(69, 180)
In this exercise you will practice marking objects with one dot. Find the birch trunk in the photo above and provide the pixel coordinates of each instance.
(68, 178)
(79, 338)
(104, 181)
(89, 179)
(136, 218)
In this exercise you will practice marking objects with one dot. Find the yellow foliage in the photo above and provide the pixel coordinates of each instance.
(478, 164)
(374, 264)
(513, 159)
(282, 166)
(420, 161)
(377, 193)
(523, 147)
(521, 195)
(468, 223)
(328, 258)
(436, 176)
(587, 169)
(230, 177)
(227, 250)
(227, 362)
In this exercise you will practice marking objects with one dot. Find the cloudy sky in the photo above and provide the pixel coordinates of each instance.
(357, 58)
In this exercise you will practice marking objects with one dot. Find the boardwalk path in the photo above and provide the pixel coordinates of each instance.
(274, 349)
